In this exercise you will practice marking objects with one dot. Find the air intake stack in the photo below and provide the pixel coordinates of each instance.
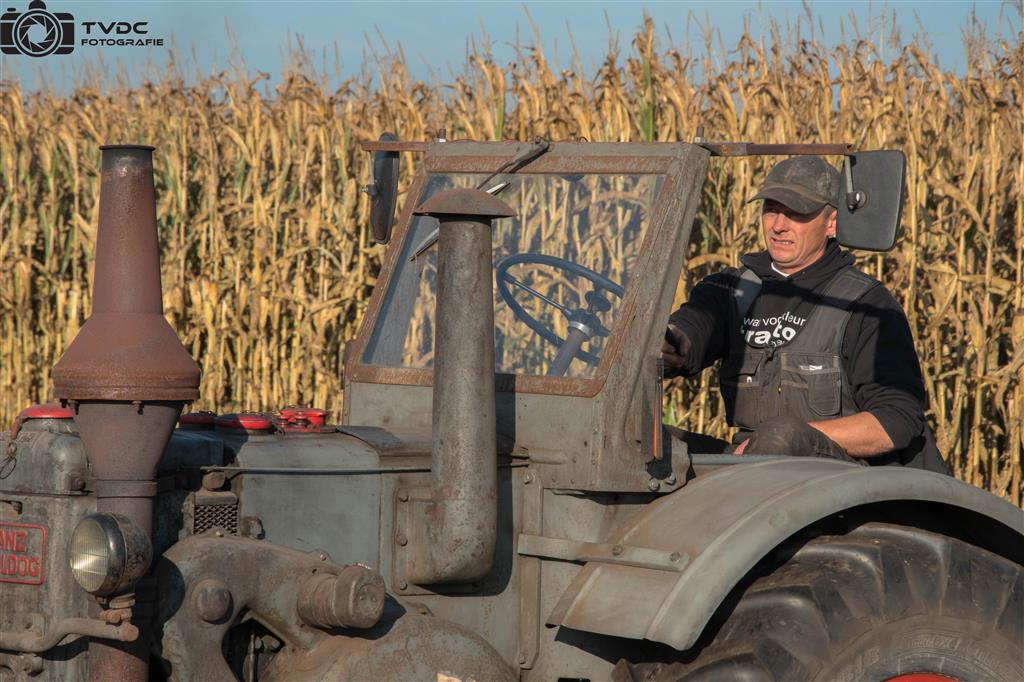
(454, 536)
(126, 373)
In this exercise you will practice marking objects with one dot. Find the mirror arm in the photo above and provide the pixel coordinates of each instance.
(755, 149)
(393, 146)
(854, 197)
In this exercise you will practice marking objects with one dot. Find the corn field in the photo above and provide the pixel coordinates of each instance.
(268, 265)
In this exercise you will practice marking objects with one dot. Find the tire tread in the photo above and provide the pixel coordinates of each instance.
(836, 589)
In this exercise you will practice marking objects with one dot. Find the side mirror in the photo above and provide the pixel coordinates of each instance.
(870, 207)
(383, 191)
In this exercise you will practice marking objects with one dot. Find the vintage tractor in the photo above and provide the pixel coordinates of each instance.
(500, 500)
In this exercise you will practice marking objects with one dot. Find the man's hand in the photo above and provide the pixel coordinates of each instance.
(792, 437)
(860, 434)
(674, 347)
(857, 436)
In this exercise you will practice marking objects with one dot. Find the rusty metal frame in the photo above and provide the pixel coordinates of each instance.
(716, 148)
(643, 158)
(755, 149)
(393, 146)
(29, 642)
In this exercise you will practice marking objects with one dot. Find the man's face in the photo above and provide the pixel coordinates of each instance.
(795, 240)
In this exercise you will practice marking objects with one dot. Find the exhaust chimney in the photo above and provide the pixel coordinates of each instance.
(126, 374)
(453, 540)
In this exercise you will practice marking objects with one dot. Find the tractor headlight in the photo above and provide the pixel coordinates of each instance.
(109, 552)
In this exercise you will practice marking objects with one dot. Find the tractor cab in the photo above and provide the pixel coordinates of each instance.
(584, 274)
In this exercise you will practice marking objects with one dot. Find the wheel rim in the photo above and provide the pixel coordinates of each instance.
(922, 677)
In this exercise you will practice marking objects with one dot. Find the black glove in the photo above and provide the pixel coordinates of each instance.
(795, 438)
(674, 351)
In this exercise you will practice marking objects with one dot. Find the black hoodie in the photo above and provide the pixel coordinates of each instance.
(879, 359)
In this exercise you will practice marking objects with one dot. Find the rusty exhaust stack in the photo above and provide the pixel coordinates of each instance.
(126, 373)
(453, 540)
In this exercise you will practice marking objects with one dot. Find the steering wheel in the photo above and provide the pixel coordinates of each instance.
(583, 323)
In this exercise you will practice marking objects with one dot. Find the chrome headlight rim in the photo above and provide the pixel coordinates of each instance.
(128, 548)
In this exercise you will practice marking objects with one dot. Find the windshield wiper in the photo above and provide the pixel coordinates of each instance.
(539, 146)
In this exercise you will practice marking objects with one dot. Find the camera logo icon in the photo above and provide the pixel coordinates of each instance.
(37, 32)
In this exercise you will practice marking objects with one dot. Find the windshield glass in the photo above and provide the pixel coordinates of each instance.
(561, 266)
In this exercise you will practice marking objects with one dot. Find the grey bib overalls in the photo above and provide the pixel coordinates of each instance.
(804, 379)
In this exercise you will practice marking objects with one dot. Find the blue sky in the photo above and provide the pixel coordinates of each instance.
(434, 35)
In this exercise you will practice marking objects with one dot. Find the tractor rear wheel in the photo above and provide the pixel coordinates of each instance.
(883, 602)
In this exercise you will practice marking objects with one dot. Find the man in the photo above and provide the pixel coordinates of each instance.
(817, 358)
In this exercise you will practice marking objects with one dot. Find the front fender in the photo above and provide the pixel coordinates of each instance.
(722, 524)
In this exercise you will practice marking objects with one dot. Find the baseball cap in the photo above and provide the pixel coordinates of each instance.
(802, 183)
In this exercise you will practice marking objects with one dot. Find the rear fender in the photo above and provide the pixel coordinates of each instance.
(722, 524)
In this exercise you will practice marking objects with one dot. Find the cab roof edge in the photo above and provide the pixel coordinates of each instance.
(716, 148)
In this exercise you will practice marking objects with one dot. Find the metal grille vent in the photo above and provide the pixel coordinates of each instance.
(222, 515)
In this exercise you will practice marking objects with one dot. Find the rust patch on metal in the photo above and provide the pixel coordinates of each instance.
(126, 350)
(126, 374)
(504, 383)
(470, 204)
(457, 542)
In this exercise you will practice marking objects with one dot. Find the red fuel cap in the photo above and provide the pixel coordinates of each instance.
(298, 418)
(47, 411)
(244, 421)
(203, 419)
